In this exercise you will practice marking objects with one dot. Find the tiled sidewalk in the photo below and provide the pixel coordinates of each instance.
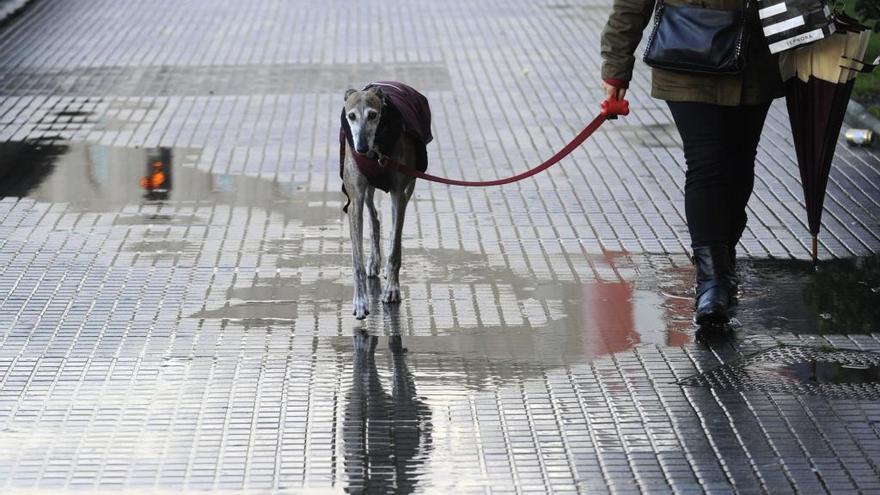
(205, 342)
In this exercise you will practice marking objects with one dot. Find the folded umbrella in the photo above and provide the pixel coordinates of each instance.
(819, 82)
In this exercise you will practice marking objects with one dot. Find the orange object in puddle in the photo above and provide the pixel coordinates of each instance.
(156, 179)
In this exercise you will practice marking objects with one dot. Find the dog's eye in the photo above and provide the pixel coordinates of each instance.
(371, 116)
(352, 116)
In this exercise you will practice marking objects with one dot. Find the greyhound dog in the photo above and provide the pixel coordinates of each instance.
(382, 120)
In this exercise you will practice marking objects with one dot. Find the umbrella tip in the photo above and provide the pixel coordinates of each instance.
(815, 252)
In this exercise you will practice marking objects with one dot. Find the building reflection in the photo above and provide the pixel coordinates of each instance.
(616, 315)
(387, 437)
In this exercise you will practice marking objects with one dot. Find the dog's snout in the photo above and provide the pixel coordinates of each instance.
(361, 145)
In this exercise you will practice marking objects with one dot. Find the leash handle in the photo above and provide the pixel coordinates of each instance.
(610, 110)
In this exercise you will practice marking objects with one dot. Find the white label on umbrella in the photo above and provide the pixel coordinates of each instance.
(772, 10)
(783, 26)
(798, 40)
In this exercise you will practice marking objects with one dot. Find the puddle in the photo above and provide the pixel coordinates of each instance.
(590, 321)
(830, 372)
(496, 315)
(254, 313)
(91, 178)
(842, 296)
(96, 178)
(827, 372)
(150, 193)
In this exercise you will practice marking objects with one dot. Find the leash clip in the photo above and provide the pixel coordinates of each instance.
(383, 161)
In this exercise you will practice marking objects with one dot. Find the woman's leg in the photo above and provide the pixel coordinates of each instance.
(709, 153)
(746, 124)
(720, 145)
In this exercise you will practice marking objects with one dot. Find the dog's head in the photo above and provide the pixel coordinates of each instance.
(363, 110)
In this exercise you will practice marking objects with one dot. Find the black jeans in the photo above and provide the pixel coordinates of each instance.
(720, 144)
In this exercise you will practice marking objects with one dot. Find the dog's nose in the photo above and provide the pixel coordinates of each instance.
(361, 149)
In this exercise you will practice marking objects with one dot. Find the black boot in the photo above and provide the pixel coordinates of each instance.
(714, 283)
(734, 277)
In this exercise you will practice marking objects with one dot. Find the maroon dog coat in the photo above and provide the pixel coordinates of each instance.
(404, 111)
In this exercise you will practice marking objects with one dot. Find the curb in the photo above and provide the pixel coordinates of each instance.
(858, 116)
(9, 8)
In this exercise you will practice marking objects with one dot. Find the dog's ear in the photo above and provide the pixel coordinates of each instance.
(376, 90)
(349, 93)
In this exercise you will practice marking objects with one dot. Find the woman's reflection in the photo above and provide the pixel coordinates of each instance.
(386, 437)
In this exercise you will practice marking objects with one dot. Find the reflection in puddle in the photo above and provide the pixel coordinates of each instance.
(88, 177)
(830, 372)
(842, 296)
(99, 178)
(24, 166)
(387, 436)
(157, 183)
(496, 316)
(254, 313)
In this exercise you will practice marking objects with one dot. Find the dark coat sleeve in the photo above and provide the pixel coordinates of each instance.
(622, 35)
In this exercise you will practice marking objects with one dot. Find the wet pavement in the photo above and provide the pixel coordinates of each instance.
(175, 279)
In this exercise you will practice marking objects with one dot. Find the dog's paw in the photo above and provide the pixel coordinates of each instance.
(391, 293)
(361, 308)
(374, 267)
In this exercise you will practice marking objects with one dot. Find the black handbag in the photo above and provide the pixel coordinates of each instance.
(696, 39)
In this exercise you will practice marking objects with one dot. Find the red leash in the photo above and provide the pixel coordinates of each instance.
(610, 110)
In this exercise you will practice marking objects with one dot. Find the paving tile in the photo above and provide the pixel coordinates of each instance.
(204, 342)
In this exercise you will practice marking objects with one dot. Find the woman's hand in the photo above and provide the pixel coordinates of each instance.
(613, 93)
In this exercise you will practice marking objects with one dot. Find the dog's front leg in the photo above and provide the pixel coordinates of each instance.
(399, 199)
(374, 264)
(356, 224)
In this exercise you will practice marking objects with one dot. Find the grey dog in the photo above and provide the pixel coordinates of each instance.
(383, 120)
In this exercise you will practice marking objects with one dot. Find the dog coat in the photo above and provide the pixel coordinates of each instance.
(404, 111)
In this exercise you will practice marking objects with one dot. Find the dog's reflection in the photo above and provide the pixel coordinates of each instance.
(387, 437)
